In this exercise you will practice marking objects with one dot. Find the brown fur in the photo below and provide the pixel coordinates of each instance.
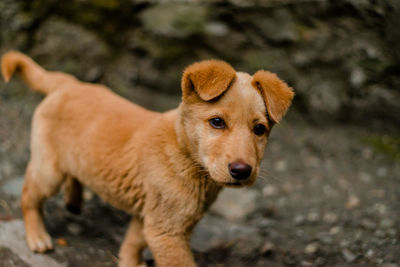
(165, 169)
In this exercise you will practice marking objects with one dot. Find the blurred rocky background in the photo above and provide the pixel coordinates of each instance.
(329, 191)
(342, 57)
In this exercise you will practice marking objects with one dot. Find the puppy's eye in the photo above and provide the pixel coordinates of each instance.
(217, 123)
(259, 129)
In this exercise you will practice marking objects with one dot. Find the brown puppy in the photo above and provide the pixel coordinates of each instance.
(165, 169)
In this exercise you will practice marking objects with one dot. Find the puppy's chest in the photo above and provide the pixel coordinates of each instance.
(196, 199)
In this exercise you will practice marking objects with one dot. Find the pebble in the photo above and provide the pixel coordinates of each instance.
(269, 191)
(368, 224)
(348, 255)
(313, 217)
(299, 219)
(306, 263)
(13, 187)
(281, 166)
(379, 233)
(74, 228)
(61, 242)
(234, 204)
(386, 223)
(366, 177)
(367, 153)
(311, 248)
(380, 208)
(325, 239)
(344, 243)
(265, 223)
(330, 217)
(389, 265)
(267, 248)
(313, 162)
(381, 172)
(352, 202)
(334, 230)
(370, 254)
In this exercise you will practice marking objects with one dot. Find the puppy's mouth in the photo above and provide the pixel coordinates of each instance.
(234, 184)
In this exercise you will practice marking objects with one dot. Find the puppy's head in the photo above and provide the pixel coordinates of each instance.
(227, 117)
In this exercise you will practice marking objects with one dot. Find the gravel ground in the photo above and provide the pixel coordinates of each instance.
(328, 195)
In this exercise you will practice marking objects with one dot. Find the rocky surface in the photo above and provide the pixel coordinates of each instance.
(328, 192)
(340, 56)
(326, 196)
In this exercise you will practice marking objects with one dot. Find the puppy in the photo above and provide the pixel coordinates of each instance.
(165, 169)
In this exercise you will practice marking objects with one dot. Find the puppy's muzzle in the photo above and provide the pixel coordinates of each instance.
(239, 170)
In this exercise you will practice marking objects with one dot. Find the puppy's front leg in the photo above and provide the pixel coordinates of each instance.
(169, 249)
(130, 253)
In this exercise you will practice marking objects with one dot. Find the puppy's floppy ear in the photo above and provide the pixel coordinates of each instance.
(276, 93)
(208, 78)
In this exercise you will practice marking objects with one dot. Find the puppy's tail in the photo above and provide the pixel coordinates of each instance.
(35, 76)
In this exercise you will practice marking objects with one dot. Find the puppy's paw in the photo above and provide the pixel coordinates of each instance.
(39, 241)
(131, 264)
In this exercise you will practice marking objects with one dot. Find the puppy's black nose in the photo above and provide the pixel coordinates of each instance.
(239, 170)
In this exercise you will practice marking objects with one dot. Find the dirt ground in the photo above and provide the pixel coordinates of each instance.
(328, 195)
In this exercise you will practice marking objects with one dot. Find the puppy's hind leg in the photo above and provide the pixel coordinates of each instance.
(73, 194)
(130, 253)
(40, 184)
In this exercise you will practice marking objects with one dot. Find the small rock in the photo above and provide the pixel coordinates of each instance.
(74, 228)
(334, 230)
(365, 177)
(299, 219)
(325, 239)
(267, 248)
(382, 172)
(367, 153)
(381, 208)
(344, 243)
(217, 28)
(281, 166)
(61, 242)
(386, 223)
(370, 254)
(269, 191)
(235, 204)
(379, 233)
(348, 255)
(265, 223)
(311, 248)
(392, 232)
(368, 224)
(330, 217)
(13, 187)
(306, 263)
(357, 77)
(313, 217)
(352, 202)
